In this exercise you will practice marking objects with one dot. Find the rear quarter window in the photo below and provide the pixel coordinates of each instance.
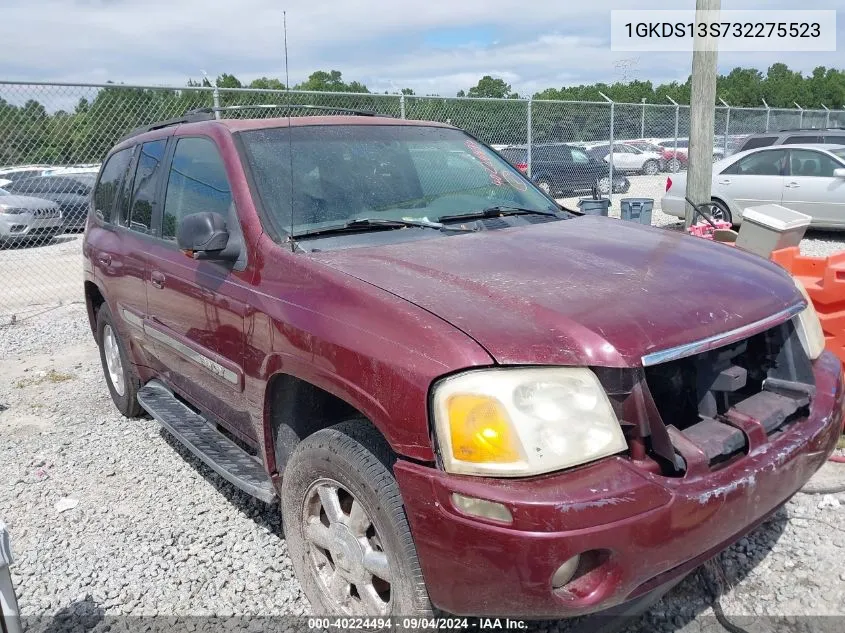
(800, 140)
(761, 141)
(109, 184)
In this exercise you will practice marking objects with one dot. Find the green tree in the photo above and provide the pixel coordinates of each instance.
(228, 81)
(331, 81)
(265, 83)
(491, 88)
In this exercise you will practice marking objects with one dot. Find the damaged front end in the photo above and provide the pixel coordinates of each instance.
(706, 410)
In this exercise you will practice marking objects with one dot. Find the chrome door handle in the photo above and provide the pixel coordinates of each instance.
(792, 185)
(726, 181)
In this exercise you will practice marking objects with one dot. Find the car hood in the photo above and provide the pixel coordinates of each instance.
(27, 202)
(587, 291)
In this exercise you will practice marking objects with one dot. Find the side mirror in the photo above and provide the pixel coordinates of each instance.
(202, 235)
(839, 173)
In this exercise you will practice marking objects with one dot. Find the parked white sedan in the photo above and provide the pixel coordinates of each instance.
(805, 178)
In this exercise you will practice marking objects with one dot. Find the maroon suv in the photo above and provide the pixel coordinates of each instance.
(464, 396)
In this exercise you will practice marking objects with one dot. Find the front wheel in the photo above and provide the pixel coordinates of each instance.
(345, 526)
(603, 185)
(651, 168)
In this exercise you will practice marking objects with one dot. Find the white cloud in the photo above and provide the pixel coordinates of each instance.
(379, 42)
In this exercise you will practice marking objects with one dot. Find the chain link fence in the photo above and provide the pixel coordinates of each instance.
(53, 137)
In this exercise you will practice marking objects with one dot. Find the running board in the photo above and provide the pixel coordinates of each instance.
(217, 451)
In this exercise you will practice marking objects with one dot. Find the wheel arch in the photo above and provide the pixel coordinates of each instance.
(295, 408)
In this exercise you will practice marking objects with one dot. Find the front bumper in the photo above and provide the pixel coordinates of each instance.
(649, 530)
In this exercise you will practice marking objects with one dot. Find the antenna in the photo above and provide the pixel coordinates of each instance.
(290, 129)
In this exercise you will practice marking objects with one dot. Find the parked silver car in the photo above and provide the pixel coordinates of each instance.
(9, 614)
(23, 218)
(806, 178)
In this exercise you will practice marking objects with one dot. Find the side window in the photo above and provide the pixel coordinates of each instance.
(804, 162)
(197, 183)
(799, 140)
(579, 156)
(837, 139)
(144, 188)
(760, 141)
(107, 187)
(766, 163)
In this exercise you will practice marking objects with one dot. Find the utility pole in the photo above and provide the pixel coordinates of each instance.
(702, 110)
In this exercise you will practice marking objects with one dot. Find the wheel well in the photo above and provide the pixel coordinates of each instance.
(295, 409)
(93, 300)
(723, 203)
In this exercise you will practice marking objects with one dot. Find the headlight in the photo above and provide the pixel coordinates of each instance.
(11, 210)
(808, 326)
(514, 422)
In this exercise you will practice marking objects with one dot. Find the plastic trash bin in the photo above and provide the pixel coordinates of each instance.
(771, 227)
(9, 615)
(636, 209)
(592, 206)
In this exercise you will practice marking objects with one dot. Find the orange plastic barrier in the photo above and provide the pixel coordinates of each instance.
(824, 279)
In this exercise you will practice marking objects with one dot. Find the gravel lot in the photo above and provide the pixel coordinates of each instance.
(113, 516)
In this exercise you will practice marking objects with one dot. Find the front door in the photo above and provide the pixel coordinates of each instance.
(811, 188)
(197, 307)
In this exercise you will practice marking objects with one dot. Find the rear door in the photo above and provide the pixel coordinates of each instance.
(753, 180)
(116, 253)
(197, 307)
(627, 158)
(811, 188)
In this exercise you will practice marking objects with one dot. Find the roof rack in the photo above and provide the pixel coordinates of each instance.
(189, 117)
(268, 106)
(812, 129)
(207, 114)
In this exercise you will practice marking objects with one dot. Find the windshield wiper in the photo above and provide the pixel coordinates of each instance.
(378, 223)
(492, 212)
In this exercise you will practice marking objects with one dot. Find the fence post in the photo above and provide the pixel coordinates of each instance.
(677, 121)
(529, 135)
(768, 113)
(402, 106)
(801, 116)
(727, 123)
(642, 120)
(826, 116)
(216, 97)
(612, 113)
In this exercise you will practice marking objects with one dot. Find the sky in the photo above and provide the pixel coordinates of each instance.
(432, 46)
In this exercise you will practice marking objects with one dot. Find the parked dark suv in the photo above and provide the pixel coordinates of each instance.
(835, 136)
(559, 169)
(464, 396)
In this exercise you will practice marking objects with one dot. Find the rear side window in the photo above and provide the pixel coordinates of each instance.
(800, 140)
(838, 139)
(760, 141)
(106, 192)
(146, 181)
(766, 163)
(197, 183)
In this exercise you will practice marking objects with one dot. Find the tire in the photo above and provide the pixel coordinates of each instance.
(673, 165)
(720, 211)
(651, 168)
(604, 185)
(350, 463)
(125, 393)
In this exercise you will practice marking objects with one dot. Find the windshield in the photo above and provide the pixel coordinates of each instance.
(320, 176)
